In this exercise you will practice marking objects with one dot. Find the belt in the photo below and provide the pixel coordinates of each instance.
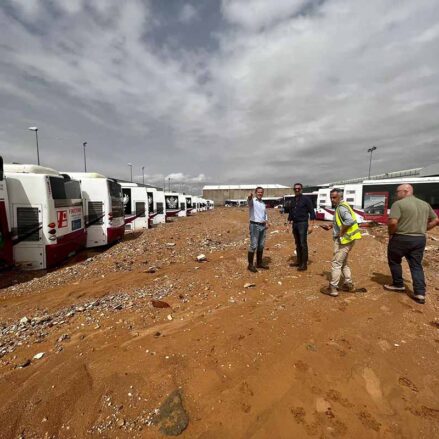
(254, 222)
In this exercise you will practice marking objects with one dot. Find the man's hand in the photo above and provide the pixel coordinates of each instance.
(392, 226)
(250, 195)
(267, 224)
(310, 229)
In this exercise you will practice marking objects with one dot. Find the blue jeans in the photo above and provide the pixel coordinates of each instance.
(300, 232)
(412, 248)
(257, 237)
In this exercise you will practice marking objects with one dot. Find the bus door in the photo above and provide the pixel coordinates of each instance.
(27, 235)
(376, 206)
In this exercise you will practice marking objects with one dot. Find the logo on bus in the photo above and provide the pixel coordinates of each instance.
(62, 218)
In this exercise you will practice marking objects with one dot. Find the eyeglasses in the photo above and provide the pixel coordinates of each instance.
(297, 188)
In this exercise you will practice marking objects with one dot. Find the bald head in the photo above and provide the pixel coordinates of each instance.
(404, 190)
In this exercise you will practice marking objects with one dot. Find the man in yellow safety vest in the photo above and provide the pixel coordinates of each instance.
(346, 232)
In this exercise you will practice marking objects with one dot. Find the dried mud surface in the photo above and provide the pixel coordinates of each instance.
(122, 329)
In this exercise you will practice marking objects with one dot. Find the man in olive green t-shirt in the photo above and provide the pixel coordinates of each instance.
(409, 220)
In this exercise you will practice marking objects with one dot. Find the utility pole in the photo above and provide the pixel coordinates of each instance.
(84, 144)
(371, 150)
(36, 138)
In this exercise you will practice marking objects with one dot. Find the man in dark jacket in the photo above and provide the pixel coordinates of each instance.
(301, 211)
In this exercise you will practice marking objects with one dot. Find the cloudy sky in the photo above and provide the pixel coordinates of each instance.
(211, 91)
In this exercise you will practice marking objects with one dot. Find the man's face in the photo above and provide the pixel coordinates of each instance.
(401, 192)
(259, 194)
(335, 198)
(297, 190)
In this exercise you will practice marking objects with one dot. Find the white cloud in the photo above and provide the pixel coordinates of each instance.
(188, 13)
(254, 14)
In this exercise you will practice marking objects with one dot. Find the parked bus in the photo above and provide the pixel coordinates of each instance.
(172, 204)
(379, 195)
(159, 206)
(210, 204)
(135, 201)
(46, 214)
(6, 249)
(352, 194)
(103, 208)
(182, 204)
(189, 205)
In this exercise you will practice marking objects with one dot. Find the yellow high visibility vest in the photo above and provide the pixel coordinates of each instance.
(353, 232)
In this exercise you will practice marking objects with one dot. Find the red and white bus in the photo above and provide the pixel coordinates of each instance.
(159, 205)
(46, 216)
(352, 194)
(189, 205)
(135, 200)
(103, 208)
(379, 195)
(182, 204)
(172, 204)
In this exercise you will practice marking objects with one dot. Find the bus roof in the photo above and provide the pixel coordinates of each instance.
(85, 174)
(14, 168)
(403, 180)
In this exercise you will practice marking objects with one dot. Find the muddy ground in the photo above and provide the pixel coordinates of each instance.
(275, 360)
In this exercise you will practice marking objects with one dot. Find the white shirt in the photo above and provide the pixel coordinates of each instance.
(257, 211)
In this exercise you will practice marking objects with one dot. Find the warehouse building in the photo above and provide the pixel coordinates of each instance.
(221, 193)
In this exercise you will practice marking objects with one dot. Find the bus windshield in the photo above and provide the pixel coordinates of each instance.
(58, 188)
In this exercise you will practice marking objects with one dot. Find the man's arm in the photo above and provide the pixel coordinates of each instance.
(346, 219)
(392, 226)
(250, 199)
(433, 220)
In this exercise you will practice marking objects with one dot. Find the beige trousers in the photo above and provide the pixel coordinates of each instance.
(340, 263)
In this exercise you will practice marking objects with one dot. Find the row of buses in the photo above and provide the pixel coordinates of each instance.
(47, 216)
(371, 200)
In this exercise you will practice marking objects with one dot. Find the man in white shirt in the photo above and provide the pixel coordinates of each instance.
(258, 225)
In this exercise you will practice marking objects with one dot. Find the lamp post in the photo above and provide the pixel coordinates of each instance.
(131, 171)
(371, 150)
(143, 174)
(36, 138)
(169, 184)
(84, 144)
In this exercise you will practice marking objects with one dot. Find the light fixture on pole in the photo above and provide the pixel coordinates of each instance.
(84, 144)
(131, 171)
(169, 184)
(371, 150)
(36, 138)
(143, 174)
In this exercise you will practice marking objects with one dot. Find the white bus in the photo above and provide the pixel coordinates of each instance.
(189, 205)
(210, 205)
(6, 253)
(103, 208)
(172, 204)
(46, 214)
(135, 200)
(352, 194)
(159, 206)
(182, 204)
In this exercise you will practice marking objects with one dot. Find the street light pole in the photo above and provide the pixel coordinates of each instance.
(143, 174)
(84, 144)
(131, 171)
(36, 138)
(169, 184)
(371, 150)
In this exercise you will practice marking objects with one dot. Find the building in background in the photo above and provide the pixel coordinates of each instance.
(220, 193)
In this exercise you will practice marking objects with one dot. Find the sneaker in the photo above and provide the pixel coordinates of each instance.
(252, 268)
(420, 298)
(329, 291)
(349, 288)
(394, 288)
